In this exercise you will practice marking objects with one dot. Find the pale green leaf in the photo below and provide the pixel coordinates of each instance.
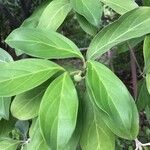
(95, 135)
(86, 26)
(4, 107)
(133, 24)
(20, 76)
(121, 6)
(9, 144)
(115, 103)
(58, 112)
(4, 56)
(43, 44)
(54, 15)
(90, 9)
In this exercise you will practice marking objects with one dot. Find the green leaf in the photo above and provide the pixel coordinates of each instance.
(133, 24)
(37, 141)
(95, 135)
(6, 126)
(58, 112)
(26, 105)
(43, 44)
(120, 6)
(54, 15)
(90, 9)
(146, 3)
(33, 20)
(4, 107)
(4, 56)
(9, 144)
(143, 97)
(20, 76)
(148, 82)
(86, 26)
(115, 103)
(146, 53)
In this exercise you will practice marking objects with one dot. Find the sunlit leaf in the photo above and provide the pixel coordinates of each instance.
(115, 103)
(58, 112)
(20, 76)
(133, 24)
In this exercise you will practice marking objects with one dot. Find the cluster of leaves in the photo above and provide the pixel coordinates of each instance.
(53, 109)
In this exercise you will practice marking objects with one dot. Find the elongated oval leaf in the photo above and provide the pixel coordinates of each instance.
(131, 25)
(95, 135)
(114, 101)
(4, 107)
(90, 9)
(43, 44)
(9, 144)
(54, 15)
(58, 112)
(20, 76)
(121, 6)
(4, 56)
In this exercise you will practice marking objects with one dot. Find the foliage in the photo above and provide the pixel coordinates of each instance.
(85, 107)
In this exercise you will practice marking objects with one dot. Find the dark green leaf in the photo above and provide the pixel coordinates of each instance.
(143, 97)
(115, 103)
(43, 44)
(20, 76)
(58, 112)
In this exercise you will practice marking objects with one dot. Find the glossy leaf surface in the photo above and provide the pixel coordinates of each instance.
(43, 44)
(115, 103)
(58, 112)
(20, 76)
(133, 24)
(54, 15)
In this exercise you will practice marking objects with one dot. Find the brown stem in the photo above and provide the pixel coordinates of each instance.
(133, 71)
